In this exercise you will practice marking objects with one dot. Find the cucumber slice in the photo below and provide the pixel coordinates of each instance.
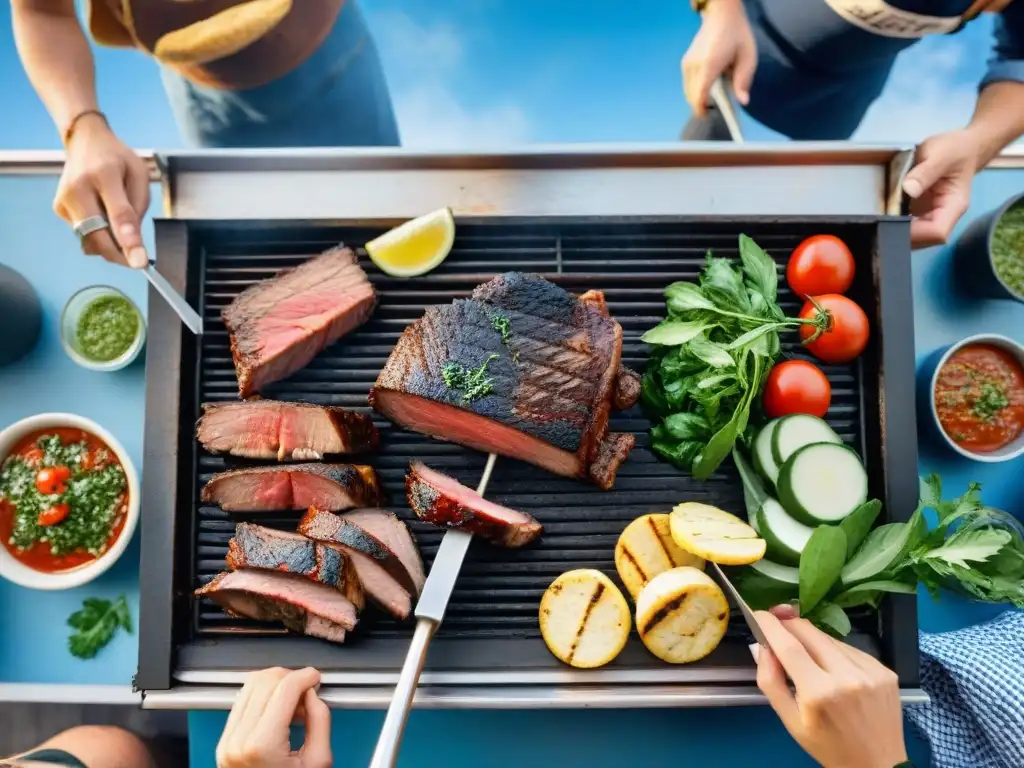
(764, 461)
(794, 432)
(765, 584)
(785, 537)
(822, 483)
(784, 573)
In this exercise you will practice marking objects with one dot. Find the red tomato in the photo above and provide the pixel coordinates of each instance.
(34, 457)
(51, 480)
(54, 514)
(848, 329)
(820, 264)
(796, 386)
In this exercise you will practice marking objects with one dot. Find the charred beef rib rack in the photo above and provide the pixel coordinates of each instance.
(335, 487)
(272, 430)
(545, 372)
(301, 604)
(438, 499)
(279, 325)
(267, 549)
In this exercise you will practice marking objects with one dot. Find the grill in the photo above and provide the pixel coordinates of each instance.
(491, 628)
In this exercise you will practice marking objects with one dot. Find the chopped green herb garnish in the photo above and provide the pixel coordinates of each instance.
(990, 402)
(96, 624)
(502, 326)
(473, 384)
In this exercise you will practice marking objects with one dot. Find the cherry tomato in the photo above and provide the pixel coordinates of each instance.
(820, 264)
(34, 457)
(848, 329)
(796, 386)
(52, 480)
(55, 514)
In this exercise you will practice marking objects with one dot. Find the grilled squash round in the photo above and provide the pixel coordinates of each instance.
(715, 535)
(584, 618)
(681, 615)
(645, 549)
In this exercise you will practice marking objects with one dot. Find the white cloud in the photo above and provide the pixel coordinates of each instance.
(422, 63)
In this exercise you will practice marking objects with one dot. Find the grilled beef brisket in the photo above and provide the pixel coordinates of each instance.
(267, 549)
(438, 499)
(268, 429)
(279, 325)
(551, 376)
(297, 486)
(300, 604)
(384, 577)
(393, 534)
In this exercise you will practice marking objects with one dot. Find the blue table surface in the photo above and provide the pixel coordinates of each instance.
(35, 651)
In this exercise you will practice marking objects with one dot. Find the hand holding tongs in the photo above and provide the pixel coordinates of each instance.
(722, 99)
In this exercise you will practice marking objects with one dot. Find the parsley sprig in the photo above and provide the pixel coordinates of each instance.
(96, 624)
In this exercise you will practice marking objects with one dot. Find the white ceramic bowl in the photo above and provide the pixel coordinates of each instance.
(1007, 452)
(17, 572)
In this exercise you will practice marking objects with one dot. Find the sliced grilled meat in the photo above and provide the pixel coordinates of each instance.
(441, 500)
(545, 383)
(297, 486)
(268, 429)
(627, 381)
(381, 572)
(279, 325)
(267, 549)
(395, 535)
(302, 605)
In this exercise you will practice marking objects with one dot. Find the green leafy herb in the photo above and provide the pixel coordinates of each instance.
(990, 402)
(820, 564)
(879, 553)
(473, 384)
(96, 624)
(754, 492)
(831, 618)
(858, 525)
(674, 332)
(870, 592)
(759, 591)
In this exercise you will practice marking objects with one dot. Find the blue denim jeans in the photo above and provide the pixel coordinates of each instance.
(336, 98)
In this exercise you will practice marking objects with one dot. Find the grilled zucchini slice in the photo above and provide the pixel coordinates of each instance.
(645, 549)
(681, 615)
(584, 618)
(715, 535)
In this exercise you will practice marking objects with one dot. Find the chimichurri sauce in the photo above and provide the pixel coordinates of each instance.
(107, 328)
(1008, 248)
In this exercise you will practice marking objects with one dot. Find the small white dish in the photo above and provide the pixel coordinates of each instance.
(1007, 452)
(17, 572)
(72, 314)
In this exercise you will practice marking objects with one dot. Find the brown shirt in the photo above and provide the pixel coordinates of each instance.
(232, 44)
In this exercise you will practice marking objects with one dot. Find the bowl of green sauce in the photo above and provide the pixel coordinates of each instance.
(990, 253)
(102, 329)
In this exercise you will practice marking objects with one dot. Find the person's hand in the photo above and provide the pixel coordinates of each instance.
(724, 41)
(939, 186)
(257, 732)
(846, 711)
(102, 177)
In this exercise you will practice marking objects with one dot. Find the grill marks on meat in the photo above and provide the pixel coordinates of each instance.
(279, 325)
(298, 486)
(553, 382)
(441, 500)
(384, 577)
(395, 535)
(268, 429)
(302, 605)
(267, 549)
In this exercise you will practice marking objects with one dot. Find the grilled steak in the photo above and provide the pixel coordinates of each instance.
(438, 499)
(267, 429)
(393, 534)
(297, 486)
(545, 366)
(278, 325)
(627, 382)
(267, 549)
(300, 604)
(383, 576)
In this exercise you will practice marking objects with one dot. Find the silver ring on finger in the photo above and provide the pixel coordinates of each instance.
(90, 224)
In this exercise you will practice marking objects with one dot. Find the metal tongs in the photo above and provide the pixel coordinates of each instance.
(721, 97)
(192, 320)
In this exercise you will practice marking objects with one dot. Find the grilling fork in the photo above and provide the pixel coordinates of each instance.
(433, 602)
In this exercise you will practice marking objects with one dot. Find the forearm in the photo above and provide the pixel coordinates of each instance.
(998, 119)
(56, 56)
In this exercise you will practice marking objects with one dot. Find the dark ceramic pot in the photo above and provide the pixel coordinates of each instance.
(973, 256)
(20, 316)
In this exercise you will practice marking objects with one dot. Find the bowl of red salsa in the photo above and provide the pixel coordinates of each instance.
(69, 501)
(977, 397)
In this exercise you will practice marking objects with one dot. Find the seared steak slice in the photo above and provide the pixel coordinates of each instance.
(382, 574)
(627, 382)
(550, 376)
(267, 549)
(297, 486)
(279, 325)
(300, 604)
(438, 499)
(268, 429)
(395, 535)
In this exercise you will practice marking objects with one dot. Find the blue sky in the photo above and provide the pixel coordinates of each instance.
(472, 73)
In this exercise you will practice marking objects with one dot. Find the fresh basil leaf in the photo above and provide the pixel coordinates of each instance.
(96, 624)
(754, 492)
(679, 362)
(858, 524)
(751, 336)
(685, 297)
(674, 332)
(869, 593)
(831, 619)
(969, 546)
(652, 394)
(820, 565)
(721, 443)
(687, 426)
(711, 353)
(879, 552)
(723, 284)
(759, 268)
(760, 592)
(714, 381)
